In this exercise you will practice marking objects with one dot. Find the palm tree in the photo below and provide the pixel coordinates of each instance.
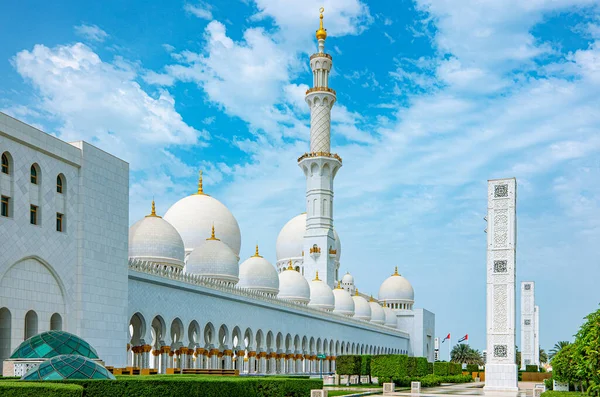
(543, 356)
(464, 354)
(558, 346)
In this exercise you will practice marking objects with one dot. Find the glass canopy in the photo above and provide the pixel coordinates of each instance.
(68, 367)
(53, 343)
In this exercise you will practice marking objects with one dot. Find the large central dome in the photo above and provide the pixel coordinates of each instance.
(195, 215)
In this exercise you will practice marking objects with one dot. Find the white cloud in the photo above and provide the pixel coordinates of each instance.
(201, 10)
(91, 33)
(390, 38)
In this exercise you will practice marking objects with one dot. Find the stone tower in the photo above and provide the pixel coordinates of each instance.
(500, 369)
(527, 324)
(320, 167)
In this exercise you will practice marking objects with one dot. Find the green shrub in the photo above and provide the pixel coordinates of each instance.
(389, 367)
(348, 365)
(456, 379)
(46, 389)
(429, 368)
(455, 369)
(441, 368)
(365, 365)
(411, 367)
(549, 384)
(423, 367)
(552, 393)
(531, 368)
(195, 385)
(472, 368)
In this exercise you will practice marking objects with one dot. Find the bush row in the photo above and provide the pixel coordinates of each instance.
(562, 394)
(353, 365)
(171, 386)
(14, 388)
(434, 380)
(472, 368)
(531, 368)
(445, 369)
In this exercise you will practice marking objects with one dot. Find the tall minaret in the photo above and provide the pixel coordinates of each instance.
(320, 167)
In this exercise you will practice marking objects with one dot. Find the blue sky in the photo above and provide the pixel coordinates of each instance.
(434, 98)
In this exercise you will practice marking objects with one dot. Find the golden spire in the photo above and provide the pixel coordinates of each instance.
(200, 189)
(317, 277)
(212, 234)
(339, 285)
(321, 33)
(153, 212)
(290, 267)
(371, 300)
(396, 272)
(256, 255)
(356, 292)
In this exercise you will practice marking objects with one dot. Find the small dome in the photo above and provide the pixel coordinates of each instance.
(257, 274)
(214, 259)
(344, 304)
(54, 343)
(396, 289)
(293, 287)
(321, 295)
(154, 239)
(377, 313)
(290, 241)
(348, 279)
(194, 215)
(68, 367)
(362, 309)
(390, 317)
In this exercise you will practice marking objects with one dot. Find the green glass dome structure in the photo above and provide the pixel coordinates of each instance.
(68, 367)
(53, 343)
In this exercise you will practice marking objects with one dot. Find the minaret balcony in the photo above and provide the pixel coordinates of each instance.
(320, 154)
(320, 55)
(320, 89)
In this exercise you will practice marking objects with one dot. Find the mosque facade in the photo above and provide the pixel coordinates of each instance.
(170, 291)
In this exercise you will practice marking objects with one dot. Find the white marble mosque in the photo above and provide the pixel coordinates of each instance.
(170, 291)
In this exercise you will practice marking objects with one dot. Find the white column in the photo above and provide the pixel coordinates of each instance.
(536, 351)
(527, 323)
(501, 370)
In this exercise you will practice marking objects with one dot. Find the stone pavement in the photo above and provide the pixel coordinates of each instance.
(469, 389)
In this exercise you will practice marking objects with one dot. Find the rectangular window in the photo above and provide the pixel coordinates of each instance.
(33, 214)
(59, 222)
(4, 209)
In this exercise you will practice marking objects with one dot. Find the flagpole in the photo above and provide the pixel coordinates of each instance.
(449, 348)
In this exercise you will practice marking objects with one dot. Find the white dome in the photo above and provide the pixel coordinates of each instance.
(390, 317)
(344, 304)
(257, 274)
(396, 289)
(348, 279)
(377, 313)
(293, 287)
(362, 309)
(194, 215)
(154, 239)
(321, 295)
(290, 241)
(214, 259)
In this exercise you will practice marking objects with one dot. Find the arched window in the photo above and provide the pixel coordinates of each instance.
(59, 184)
(5, 164)
(56, 322)
(31, 324)
(34, 174)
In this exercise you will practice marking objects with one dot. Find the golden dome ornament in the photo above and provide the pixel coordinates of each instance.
(322, 32)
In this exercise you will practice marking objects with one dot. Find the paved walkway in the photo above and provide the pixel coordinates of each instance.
(467, 389)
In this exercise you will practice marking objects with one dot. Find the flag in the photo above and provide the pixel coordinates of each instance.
(464, 338)
(447, 337)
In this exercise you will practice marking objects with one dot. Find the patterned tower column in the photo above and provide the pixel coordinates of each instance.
(320, 167)
(527, 323)
(501, 370)
(536, 337)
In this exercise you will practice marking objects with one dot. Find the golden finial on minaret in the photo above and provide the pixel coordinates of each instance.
(317, 277)
(290, 267)
(256, 254)
(153, 211)
(200, 189)
(339, 285)
(212, 234)
(396, 272)
(371, 300)
(321, 33)
(356, 292)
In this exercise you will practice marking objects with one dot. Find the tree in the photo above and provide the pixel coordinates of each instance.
(587, 352)
(558, 346)
(543, 356)
(517, 356)
(464, 354)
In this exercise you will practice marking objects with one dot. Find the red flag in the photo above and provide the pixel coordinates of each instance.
(464, 338)
(447, 337)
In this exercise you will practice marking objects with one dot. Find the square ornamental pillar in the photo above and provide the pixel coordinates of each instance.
(415, 387)
(389, 388)
(318, 393)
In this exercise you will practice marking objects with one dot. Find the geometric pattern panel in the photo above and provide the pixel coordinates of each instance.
(500, 351)
(500, 267)
(501, 191)
(68, 367)
(53, 343)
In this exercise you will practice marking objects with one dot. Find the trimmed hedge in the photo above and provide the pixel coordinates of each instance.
(411, 366)
(365, 365)
(193, 385)
(472, 368)
(389, 367)
(348, 365)
(423, 367)
(441, 368)
(531, 368)
(433, 380)
(552, 393)
(455, 369)
(46, 389)
(429, 368)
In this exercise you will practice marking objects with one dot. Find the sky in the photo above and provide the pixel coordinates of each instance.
(434, 98)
